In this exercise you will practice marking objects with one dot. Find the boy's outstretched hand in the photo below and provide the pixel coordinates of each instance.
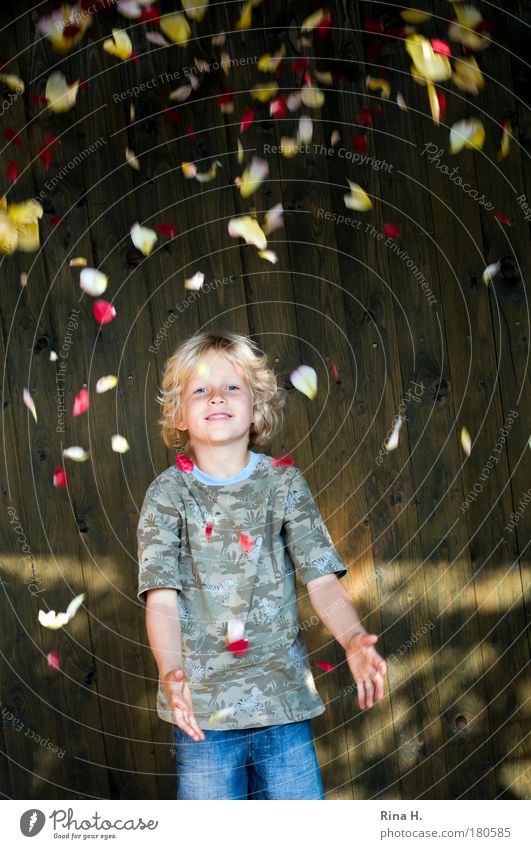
(367, 667)
(180, 701)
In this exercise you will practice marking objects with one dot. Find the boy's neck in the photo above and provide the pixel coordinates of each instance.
(221, 461)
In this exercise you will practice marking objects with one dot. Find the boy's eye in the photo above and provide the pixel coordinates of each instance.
(233, 386)
(200, 389)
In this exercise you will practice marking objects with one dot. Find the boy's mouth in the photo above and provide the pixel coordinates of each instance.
(218, 416)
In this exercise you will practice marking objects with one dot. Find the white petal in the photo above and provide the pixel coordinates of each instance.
(305, 131)
(304, 378)
(119, 444)
(106, 383)
(28, 400)
(195, 282)
(235, 630)
(93, 282)
(77, 453)
(143, 238)
(490, 272)
(393, 439)
(74, 605)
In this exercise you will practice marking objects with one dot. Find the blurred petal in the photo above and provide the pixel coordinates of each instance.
(247, 228)
(119, 444)
(81, 402)
(392, 231)
(60, 96)
(273, 219)
(269, 255)
(505, 141)
(143, 238)
(467, 75)
(305, 131)
(392, 442)
(28, 400)
(130, 158)
(74, 606)
(119, 45)
(53, 660)
(109, 381)
(312, 96)
(265, 91)
(247, 119)
(285, 460)
(181, 93)
(194, 283)
(415, 16)
(13, 83)
(104, 312)
(93, 282)
(375, 84)
(253, 176)
(78, 262)
(246, 543)
(184, 463)
(221, 715)
(76, 453)
(304, 378)
(325, 666)
(59, 477)
(467, 133)
(466, 441)
(176, 27)
(490, 272)
(357, 199)
(428, 64)
(195, 9)
(313, 20)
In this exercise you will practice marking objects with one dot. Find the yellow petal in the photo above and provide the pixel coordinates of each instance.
(195, 9)
(78, 262)
(246, 16)
(468, 16)
(28, 237)
(189, 170)
(414, 16)
(268, 63)
(25, 212)
(119, 45)
(312, 96)
(131, 159)
(176, 27)
(289, 147)
(375, 84)
(93, 282)
(264, 92)
(13, 83)
(467, 37)
(358, 198)
(221, 715)
(467, 75)
(312, 21)
(181, 93)
(249, 229)
(428, 64)
(253, 176)
(8, 235)
(269, 255)
(466, 441)
(434, 103)
(304, 378)
(490, 272)
(60, 95)
(143, 238)
(109, 381)
(76, 453)
(505, 141)
(467, 133)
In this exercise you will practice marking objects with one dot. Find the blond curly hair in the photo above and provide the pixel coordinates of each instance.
(268, 398)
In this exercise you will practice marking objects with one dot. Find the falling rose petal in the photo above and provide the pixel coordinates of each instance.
(247, 119)
(269, 64)
(74, 606)
(441, 47)
(180, 94)
(55, 220)
(325, 666)
(119, 444)
(38, 98)
(277, 107)
(184, 463)
(93, 282)
(312, 96)
(358, 199)
(78, 262)
(195, 9)
(103, 311)
(505, 141)
(189, 130)
(45, 155)
(490, 272)
(247, 228)
(392, 442)
(335, 137)
(52, 620)
(377, 84)
(176, 27)
(360, 143)
(235, 630)
(305, 130)
(323, 27)
(500, 216)
(28, 400)
(273, 219)
(131, 159)
(304, 378)
(238, 647)
(246, 543)
(221, 715)
(13, 83)
(81, 402)
(11, 136)
(427, 64)
(401, 102)
(226, 102)
(53, 356)
(76, 453)
(167, 230)
(335, 373)
(414, 16)
(23, 278)
(59, 477)
(208, 531)
(194, 283)
(467, 133)
(52, 141)
(157, 38)
(289, 147)
(466, 441)
(253, 176)
(129, 9)
(143, 238)
(12, 171)
(285, 460)
(53, 660)
(265, 91)
(119, 45)
(104, 384)
(60, 95)
(270, 256)
(392, 231)
(467, 75)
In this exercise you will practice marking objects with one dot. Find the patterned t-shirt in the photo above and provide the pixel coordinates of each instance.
(231, 550)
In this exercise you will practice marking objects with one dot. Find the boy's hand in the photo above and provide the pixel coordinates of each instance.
(367, 667)
(180, 701)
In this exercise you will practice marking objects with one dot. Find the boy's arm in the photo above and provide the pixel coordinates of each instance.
(163, 627)
(335, 608)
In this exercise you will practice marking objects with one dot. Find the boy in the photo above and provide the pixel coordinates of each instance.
(219, 536)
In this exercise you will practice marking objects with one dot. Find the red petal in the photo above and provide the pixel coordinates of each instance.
(190, 131)
(11, 136)
(104, 312)
(441, 47)
(134, 56)
(334, 372)
(324, 26)
(441, 97)
(392, 231)
(12, 171)
(370, 25)
(168, 230)
(38, 98)
(285, 460)
(326, 667)
(45, 156)
(149, 13)
(184, 463)
(225, 97)
(71, 30)
(59, 477)
(364, 117)
(500, 216)
(52, 140)
(55, 220)
(396, 32)
(300, 65)
(81, 402)
(208, 532)
(238, 646)
(307, 78)
(247, 119)
(83, 83)
(172, 114)
(277, 107)
(53, 660)
(360, 142)
(246, 543)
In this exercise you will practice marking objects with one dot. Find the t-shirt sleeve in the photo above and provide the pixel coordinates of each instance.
(159, 542)
(306, 536)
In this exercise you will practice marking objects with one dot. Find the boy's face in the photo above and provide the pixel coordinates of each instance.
(217, 403)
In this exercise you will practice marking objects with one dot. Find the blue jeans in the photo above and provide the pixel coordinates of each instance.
(271, 762)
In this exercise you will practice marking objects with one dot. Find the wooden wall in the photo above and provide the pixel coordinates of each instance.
(444, 586)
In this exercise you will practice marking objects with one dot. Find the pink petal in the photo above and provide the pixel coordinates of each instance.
(335, 373)
(392, 231)
(286, 460)
(247, 119)
(246, 543)
(53, 660)
(104, 312)
(208, 532)
(441, 47)
(500, 216)
(81, 402)
(184, 463)
(238, 646)
(326, 667)
(59, 477)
